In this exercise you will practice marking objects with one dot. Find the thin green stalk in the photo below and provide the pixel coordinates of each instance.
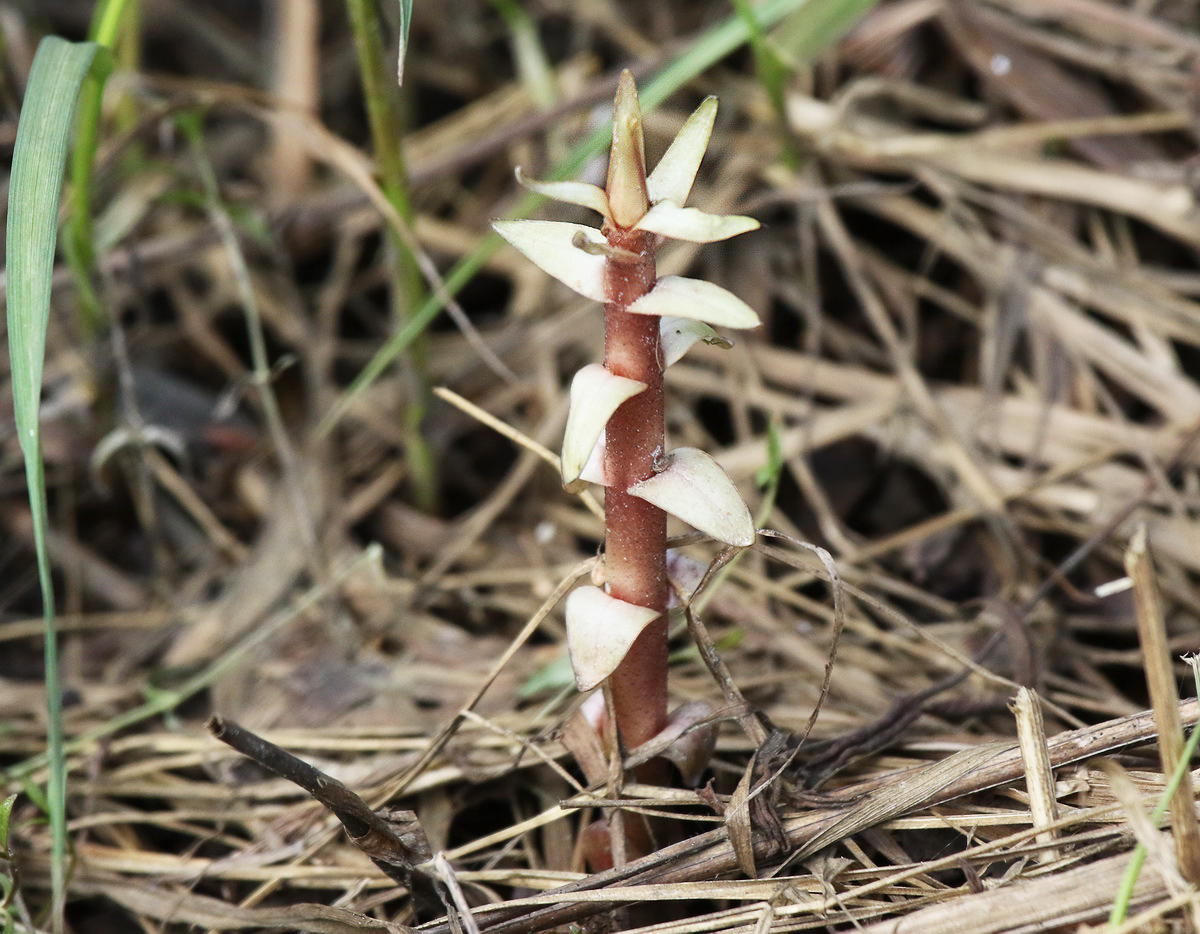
(534, 69)
(128, 53)
(830, 18)
(35, 190)
(772, 75)
(8, 879)
(384, 113)
(78, 236)
(106, 22)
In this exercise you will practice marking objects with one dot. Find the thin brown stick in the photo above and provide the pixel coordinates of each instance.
(393, 840)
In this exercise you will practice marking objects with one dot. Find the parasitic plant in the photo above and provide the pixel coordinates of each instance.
(615, 431)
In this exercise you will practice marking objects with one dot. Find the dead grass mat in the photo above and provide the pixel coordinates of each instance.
(980, 363)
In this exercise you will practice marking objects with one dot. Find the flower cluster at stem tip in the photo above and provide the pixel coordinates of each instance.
(643, 209)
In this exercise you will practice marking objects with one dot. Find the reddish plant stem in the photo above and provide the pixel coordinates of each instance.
(635, 531)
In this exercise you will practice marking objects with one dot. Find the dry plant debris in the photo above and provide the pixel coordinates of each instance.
(978, 379)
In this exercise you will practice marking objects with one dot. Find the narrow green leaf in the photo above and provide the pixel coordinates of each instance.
(386, 117)
(106, 22)
(769, 474)
(553, 676)
(535, 71)
(79, 238)
(405, 22)
(816, 26)
(34, 191)
(7, 882)
(35, 188)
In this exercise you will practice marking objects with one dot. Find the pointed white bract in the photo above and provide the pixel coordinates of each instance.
(672, 178)
(627, 196)
(600, 630)
(581, 193)
(670, 220)
(550, 244)
(695, 298)
(594, 470)
(676, 336)
(595, 394)
(693, 487)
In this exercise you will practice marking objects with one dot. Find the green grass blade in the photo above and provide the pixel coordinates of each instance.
(772, 74)
(106, 23)
(830, 19)
(810, 31)
(402, 52)
(8, 882)
(6, 807)
(1124, 898)
(533, 69)
(769, 474)
(78, 239)
(385, 114)
(35, 188)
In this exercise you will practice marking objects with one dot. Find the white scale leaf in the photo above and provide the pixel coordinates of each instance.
(693, 487)
(550, 245)
(596, 393)
(697, 299)
(600, 631)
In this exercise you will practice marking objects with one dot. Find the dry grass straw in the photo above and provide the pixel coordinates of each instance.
(1160, 680)
(1039, 771)
(982, 352)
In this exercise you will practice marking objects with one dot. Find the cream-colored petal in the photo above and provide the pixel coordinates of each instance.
(676, 336)
(670, 220)
(696, 299)
(549, 244)
(672, 178)
(595, 394)
(600, 630)
(581, 193)
(693, 487)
